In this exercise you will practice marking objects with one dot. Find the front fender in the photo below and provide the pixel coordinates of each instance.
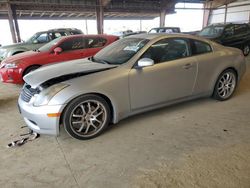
(16, 50)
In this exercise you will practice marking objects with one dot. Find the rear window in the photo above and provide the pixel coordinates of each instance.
(200, 47)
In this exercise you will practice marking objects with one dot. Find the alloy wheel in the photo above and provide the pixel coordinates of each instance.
(88, 118)
(226, 85)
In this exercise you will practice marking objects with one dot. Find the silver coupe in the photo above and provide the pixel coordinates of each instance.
(133, 75)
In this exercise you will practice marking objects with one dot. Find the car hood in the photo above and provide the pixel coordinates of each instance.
(59, 72)
(21, 44)
(18, 58)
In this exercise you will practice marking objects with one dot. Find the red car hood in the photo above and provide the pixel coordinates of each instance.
(22, 57)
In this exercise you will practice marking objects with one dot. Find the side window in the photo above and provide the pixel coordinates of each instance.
(73, 44)
(240, 29)
(54, 35)
(42, 38)
(167, 50)
(96, 42)
(229, 31)
(200, 47)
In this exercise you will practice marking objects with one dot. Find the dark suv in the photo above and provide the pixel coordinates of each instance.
(233, 35)
(165, 30)
(36, 41)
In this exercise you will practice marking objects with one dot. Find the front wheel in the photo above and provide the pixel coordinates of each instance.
(86, 117)
(225, 85)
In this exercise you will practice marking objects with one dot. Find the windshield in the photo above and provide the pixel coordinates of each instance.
(31, 39)
(49, 45)
(212, 31)
(120, 51)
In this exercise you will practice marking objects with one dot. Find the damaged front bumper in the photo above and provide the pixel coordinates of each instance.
(37, 118)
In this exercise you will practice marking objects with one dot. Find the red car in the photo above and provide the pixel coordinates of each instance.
(61, 49)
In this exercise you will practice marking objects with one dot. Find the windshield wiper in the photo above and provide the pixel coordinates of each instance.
(36, 50)
(98, 60)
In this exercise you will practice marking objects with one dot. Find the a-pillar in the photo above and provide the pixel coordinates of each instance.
(162, 18)
(99, 16)
(11, 23)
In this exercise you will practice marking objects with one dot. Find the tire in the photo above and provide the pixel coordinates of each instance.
(246, 49)
(86, 117)
(29, 69)
(225, 85)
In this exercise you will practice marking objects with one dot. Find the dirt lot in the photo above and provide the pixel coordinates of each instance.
(202, 143)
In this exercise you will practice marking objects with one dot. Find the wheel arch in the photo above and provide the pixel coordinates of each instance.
(35, 65)
(105, 97)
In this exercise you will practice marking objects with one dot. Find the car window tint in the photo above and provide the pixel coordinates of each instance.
(229, 31)
(73, 44)
(54, 35)
(167, 50)
(96, 42)
(75, 32)
(240, 29)
(201, 47)
(42, 38)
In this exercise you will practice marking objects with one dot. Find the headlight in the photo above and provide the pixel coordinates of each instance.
(46, 95)
(10, 65)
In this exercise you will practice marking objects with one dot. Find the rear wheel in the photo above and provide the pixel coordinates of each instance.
(246, 49)
(86, 117)
(225, 85)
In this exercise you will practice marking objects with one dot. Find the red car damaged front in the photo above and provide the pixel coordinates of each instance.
(61, 49)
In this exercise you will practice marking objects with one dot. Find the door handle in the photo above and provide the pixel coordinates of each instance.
(187, 66)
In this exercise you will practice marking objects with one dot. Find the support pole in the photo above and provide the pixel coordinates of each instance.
(16, 24)
(225, 17)
(162, 18)
(206, 14)
(86, 26)
(99, 16)
(10, 18)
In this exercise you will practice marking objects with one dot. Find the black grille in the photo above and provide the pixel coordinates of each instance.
(27, 93)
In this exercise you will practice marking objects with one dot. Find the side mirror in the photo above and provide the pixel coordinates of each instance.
(58, 50)
(35, 41)
(145, 62)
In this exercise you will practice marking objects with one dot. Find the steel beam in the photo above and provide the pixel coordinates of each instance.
(99, 16)
(206, 13)
(225, 16)
(12, 27)
(17, 31)
(162, 18)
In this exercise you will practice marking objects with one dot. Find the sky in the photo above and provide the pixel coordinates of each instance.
(187, 20)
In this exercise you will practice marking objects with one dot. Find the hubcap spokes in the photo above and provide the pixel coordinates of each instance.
(88, 117)
(226, 85)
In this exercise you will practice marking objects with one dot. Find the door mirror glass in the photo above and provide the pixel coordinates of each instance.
(58, 50)
(145, 62)
(35, 41)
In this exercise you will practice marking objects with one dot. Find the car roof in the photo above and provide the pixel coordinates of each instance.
(225, 24)
(59, 29)
(86, 36)
(166, 28)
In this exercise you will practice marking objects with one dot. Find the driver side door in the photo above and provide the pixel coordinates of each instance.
(171, 77)
(72, 48)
